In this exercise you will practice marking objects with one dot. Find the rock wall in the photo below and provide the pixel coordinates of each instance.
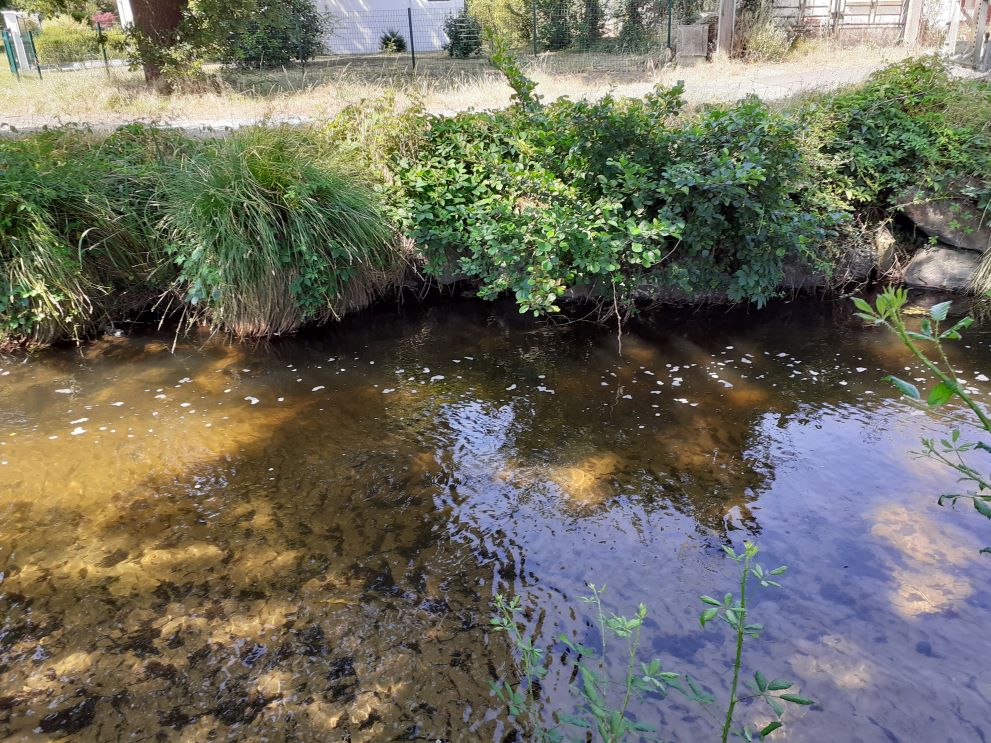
(961, 235)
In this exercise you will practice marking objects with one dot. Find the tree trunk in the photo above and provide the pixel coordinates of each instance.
(158, 20)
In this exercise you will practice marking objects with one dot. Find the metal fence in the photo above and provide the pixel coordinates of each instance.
(584, 34)
(561, 35)
(33, 51)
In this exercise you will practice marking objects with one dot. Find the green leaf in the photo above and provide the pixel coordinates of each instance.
(779, 685)
(770, 728)
(761, 681)
(796, 699)
(938, 311)
(710, 601)
(940, 395)
(707, 616)
(982, 507)
(906, 388)
(578, 722)
(863, 306)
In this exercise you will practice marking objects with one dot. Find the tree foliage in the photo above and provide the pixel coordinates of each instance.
(256, 33)
(78, 9)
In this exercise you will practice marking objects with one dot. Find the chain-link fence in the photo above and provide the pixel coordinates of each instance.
(564, 34)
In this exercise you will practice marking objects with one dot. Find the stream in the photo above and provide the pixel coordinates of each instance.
(301, 540)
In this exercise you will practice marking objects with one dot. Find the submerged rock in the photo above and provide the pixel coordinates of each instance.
(70, 720)
(943, 268)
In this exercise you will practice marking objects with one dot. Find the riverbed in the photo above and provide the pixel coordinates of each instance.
(301, 540)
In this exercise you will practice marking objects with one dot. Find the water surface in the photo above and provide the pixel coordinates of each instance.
(301, 540)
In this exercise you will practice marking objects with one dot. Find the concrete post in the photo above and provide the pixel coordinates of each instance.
(913, 23)
(982, 27)
(727, 26)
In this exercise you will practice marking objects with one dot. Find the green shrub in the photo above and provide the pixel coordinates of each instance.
(612, 195)
(63, 40)
(392, 42)
(270, 230)
(901, 128)
(464, 35)
(253, 33)
(508, 19)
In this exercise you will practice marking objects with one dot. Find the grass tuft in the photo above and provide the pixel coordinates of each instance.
(270, 227)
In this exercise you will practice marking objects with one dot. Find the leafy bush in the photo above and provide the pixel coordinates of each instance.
(392, 42)
(270, 230)
(508, 19)
(464, 35)
(612, 195)
(64, 40)
(641, 24)
(899, 129)
(614, 200)
(253, 33)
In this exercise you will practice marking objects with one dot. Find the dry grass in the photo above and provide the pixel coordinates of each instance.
(96, 97)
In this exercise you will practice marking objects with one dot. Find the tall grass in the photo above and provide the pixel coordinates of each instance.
(271, 228)
(258, 233)
(75, 246)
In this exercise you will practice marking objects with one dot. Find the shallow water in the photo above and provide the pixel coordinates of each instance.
(302, 540)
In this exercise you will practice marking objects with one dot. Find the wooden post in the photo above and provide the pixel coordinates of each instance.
(727, 26)
(913, 23)
(982, 26)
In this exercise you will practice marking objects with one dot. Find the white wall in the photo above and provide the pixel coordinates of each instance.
(854, 13)
(124, 13)
(359, 24)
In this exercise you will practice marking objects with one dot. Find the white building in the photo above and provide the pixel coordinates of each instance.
(358, 25)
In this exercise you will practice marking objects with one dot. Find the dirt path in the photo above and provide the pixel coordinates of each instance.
(90, 98)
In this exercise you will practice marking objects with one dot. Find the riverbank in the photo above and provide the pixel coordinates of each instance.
(613, 202)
